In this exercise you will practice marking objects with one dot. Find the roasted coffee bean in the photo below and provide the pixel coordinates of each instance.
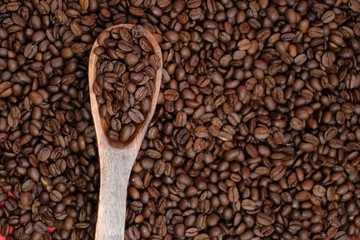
(136, 116)
(55, 196)
(277, 173)
(84, 4)
(264, 219)
(319, 190)
(248, 205)
(261, 133)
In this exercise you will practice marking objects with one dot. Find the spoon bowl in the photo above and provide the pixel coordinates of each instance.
(117, 158)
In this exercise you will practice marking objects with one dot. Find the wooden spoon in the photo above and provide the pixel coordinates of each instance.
(117, 158)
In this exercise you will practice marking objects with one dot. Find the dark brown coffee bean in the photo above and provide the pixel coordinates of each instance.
(26, 200)
(311, 139)
(40, 227)
(11, 204)
(330, 133)
(136, 116)
(182, 136)
(30, 50)
(5, 229)
(138, 78)
(336, 143)
(328, 59)
(34, 174)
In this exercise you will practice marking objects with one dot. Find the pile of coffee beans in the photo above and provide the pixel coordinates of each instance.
(258, 130)
(124, 85)
(256, 134)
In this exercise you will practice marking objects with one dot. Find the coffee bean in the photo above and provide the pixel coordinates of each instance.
(191, 232)
(26, 200)
(125, 133)
(319, 190)
(328, 16)
(40, 227)
(34, 174)
(61, 17)
(76, 28)
(248, 205)
(171, 95)
(277, 173)
(302, 196)
(44, 154)
(264, 219)
(154, 61)
(136, 116)
(30, 50)
(315, 32)
(182, 136)
(233, 194)
(208, 36)
(354, 5)
(173, 36)
(84, 4)
(300, 59)
(11, 204)
(244, 44)
(261, 133)
(131, 59)
(55, 196)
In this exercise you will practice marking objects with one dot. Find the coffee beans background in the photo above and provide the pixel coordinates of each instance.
(256, 135)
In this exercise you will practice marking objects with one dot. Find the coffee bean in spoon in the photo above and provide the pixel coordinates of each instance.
(125, 80)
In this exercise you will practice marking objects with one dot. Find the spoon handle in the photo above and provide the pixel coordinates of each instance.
(115, 165)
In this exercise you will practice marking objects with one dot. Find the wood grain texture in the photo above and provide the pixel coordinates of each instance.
(116, 159)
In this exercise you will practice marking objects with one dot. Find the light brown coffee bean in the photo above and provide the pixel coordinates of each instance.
(319, 191)
(277, 173)
(248, 205)
(261, 133)
(264, 219)
(84, 4)
(302, 196)
(330, 133)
